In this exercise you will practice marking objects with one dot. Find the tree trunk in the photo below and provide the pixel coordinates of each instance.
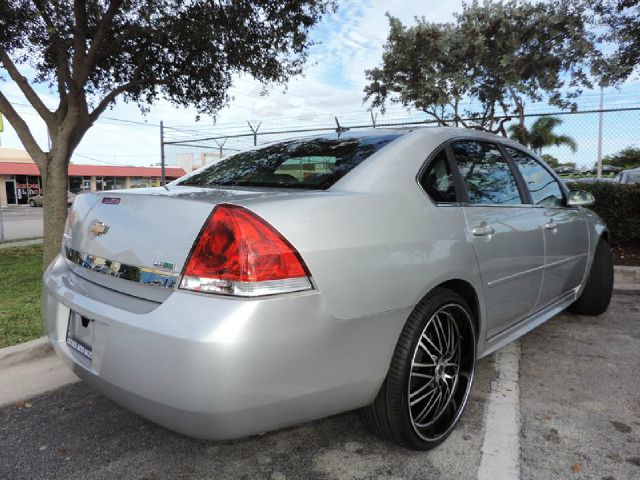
(55, 181)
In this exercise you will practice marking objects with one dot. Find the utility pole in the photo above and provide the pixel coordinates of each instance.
(1, 226)
(162, 176)
(1, 220)
(255, 132)
(600, 120)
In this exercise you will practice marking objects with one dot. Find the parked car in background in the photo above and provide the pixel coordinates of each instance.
(319, 275)
(628, 176)
(37, 200)
(606, 170)
(564, 170)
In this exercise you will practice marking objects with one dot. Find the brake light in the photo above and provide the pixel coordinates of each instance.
(238, 253)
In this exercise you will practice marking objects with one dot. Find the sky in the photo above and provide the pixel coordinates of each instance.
(348, 42)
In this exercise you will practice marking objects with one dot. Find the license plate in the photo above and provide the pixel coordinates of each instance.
(80, 334)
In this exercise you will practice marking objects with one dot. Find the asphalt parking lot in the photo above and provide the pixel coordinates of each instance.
(579, 417)
(22, 221)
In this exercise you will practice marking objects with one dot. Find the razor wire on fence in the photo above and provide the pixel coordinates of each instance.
(620, 126)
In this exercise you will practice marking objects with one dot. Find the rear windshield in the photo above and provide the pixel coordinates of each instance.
(305, 163)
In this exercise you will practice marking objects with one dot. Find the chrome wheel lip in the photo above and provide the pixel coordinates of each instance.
(471, 374)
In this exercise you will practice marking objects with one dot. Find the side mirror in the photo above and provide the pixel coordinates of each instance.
(580, 198)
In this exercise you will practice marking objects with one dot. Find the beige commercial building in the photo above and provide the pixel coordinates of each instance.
(20, 177)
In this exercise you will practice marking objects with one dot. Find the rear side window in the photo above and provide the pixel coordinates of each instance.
(304, 163)
(486, 174)
(544, 189)
(437, 181)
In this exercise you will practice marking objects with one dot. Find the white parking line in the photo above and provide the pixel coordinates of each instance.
(501, 444)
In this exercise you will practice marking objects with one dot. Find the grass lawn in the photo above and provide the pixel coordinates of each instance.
(20, 288)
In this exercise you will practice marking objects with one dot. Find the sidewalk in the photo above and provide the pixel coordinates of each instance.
(21, 243)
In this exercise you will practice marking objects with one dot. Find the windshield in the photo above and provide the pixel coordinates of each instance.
(315, 163)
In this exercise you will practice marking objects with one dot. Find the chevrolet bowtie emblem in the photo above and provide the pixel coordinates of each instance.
(99, 228)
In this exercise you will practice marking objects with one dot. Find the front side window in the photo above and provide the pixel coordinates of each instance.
(544, 189)
(314, 163)
(486, 174)
(437, 181)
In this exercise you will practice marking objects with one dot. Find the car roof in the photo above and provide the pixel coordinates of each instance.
(389, 167)
(433, 132)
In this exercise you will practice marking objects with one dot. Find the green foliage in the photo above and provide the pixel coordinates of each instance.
(186, 52)
(496, 54)
(550, 160)
(21, 278)
(619, 206)
(626, 158)
(621, 20)
(542, 135)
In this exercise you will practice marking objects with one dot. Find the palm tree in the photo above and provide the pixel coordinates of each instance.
(542, 135)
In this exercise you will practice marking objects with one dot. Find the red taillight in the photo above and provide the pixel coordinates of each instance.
(238, 253)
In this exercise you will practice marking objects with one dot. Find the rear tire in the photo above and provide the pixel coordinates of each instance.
(595, 298)
(32, 203)
(430, 377)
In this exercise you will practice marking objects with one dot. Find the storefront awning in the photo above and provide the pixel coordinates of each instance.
(14, 168)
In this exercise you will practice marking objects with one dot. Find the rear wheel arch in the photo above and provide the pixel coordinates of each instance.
(468, 292)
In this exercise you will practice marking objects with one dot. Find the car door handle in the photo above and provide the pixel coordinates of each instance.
(482, 231)
(553, 226)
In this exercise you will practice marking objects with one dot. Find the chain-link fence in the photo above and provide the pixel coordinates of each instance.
(587, 133)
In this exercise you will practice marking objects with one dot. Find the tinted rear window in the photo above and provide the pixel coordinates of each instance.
(305, 163)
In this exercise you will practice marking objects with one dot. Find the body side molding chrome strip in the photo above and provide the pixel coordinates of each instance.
(500, 281)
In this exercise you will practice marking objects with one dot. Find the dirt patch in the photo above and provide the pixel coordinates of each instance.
(621, 427)
(626, 255)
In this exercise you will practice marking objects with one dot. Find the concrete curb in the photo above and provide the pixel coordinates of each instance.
(25, 352)
(29, 370)
(626, 279)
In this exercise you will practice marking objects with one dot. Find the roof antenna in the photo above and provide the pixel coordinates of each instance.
(340, 129)
(373, 118)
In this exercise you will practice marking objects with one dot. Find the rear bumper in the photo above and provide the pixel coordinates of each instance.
(220, 368)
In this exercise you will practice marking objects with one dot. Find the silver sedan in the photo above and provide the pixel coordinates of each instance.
(310, 277)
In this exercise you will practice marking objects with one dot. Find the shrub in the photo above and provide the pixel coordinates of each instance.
(626, 158)
(619, 206)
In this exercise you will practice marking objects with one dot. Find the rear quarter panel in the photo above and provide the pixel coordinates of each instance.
(370, 253)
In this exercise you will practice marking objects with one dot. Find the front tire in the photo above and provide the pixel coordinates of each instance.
(596, 296)
(32, 203)
(431, 374)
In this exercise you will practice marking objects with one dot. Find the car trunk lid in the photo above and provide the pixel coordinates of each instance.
(137, 241)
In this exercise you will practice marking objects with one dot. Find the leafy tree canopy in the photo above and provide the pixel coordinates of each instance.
(553, 162)
(486, 64)
(621, 19)
(626, 158)
(550, 160)
(92, 51)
